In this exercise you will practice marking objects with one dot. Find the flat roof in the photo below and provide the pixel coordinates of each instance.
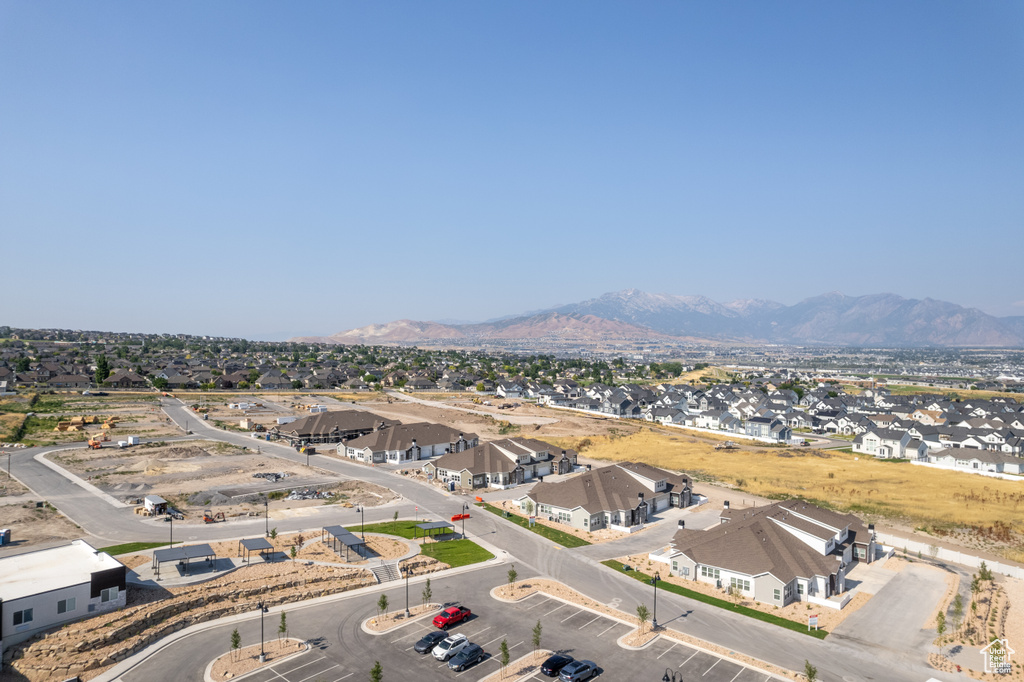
(24, 575)
(347, 538)
(433, 525)
(180, 553)
(257, 544)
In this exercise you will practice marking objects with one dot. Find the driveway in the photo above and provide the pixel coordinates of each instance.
(894, 617)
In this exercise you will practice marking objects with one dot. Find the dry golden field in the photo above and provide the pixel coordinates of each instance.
(922, 496)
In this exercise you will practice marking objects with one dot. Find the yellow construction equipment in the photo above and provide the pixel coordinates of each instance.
(95, 445)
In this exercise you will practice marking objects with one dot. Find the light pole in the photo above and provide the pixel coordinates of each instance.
(654, 581)
(362, 522)
(170, 540)
(465, 508)
(407, 572)
(263, 609)
(8, 464)
(266, 515)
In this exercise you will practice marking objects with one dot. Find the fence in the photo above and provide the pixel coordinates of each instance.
(952, 556)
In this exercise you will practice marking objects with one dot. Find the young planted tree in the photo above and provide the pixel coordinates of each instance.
(537, 630)
(958, 612)
(394, 522)
(382, 605)
(642, 614)
(273, 533)
(293, 552)
(512, 575)
(503, 657)
(282, 627)
(940, 628)
(236, 643)
(810, 672)
(376, 672)
(427, 594)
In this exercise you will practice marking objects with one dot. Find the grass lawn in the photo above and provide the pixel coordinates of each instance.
(553, 534)
(720, 603)
(403, 529)
(456, 552)
(131, 547)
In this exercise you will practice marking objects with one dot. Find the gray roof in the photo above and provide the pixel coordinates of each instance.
(401, 436)
(324, 423)
(609, 488)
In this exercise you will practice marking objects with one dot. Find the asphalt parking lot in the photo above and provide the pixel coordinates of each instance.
(341, 650)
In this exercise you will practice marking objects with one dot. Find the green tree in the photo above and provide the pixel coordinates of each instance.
(159, 383)
(102, 369)
(22, 364)
(810, 672)
(394, 522)
(243, 384)
(537, 630)
(958, 612)
(503, 658)
(293, 552)
(529, 507)
(254, 375)
(512, 575)
(940, 628)
(382, 605)
(273, 533)
(642, 614)
(376, 672)
(296, 384)
(282, 627)
(427, 594)
(236, 643)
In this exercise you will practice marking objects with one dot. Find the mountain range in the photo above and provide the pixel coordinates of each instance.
(830, 319)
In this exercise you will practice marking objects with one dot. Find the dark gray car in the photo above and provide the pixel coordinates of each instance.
(473, 653)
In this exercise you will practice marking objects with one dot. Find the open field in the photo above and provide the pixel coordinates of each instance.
(136, 414)
(963, 394)
(31, 524)
(944, 502)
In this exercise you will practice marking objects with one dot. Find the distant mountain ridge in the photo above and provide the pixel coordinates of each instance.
(829, 319)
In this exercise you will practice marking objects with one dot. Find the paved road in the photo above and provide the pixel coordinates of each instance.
(837, 659)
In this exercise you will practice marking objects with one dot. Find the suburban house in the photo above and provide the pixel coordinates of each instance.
(621, 497)
(69, 381)
(330, 427)
(967, 459)
(123, 378)
(406, 443)
(48, 587)
(767, 427)
(889, 444)
(776, 554)
(500, 464)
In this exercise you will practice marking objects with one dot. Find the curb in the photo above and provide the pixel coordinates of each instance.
(376, 633)
(77, 480)
(621, 642)
(208, 676)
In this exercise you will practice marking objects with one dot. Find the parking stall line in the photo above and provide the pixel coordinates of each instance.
(477, 634)
(575, 614)
(561, 606)
(344, 678)
(304, 679)
(607, 629)
(545, 600)
(493, 640)
(737, 675)
(415, 633)
(668, 649)
(717, 661)
(588, 622)
(695, 652)
(299, 667)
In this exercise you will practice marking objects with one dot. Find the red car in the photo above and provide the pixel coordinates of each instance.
(451, 616)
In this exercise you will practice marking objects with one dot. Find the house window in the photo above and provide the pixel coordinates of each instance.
(586, 522)
(777, 594)
(739, 584)
(799, 588)
(23, 617)
(707, 572)
(685, 570)
(66, 605)
(109, 594)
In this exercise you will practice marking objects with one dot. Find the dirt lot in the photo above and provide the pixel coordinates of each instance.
(31, 525)
(201, 475)
(136, 415)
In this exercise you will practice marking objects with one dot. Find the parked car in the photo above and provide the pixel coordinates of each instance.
(451, 616)
(429, 641)
(554, 664)
(450, 646)
(578, 670)
(472, 653)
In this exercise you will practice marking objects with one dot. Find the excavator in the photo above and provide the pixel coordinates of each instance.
(210, 517)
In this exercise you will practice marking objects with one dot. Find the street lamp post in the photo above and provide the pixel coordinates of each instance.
(654, 581)
(266, 515)
(170, 540)
(407, 572)
(465, 508)
(263, 609)
(362, 522)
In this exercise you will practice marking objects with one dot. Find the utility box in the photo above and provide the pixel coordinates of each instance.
(134, 440)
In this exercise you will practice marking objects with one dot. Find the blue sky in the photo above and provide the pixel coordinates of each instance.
(268, 169)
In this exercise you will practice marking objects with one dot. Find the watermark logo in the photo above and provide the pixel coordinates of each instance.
(997, 657)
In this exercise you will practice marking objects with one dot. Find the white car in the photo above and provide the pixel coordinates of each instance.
(450, 646)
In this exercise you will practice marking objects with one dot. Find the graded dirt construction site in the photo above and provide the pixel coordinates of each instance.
(198, 475)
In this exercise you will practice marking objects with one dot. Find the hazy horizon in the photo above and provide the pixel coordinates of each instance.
(260, 170)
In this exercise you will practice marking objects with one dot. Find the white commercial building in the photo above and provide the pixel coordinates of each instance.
(49, 587)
